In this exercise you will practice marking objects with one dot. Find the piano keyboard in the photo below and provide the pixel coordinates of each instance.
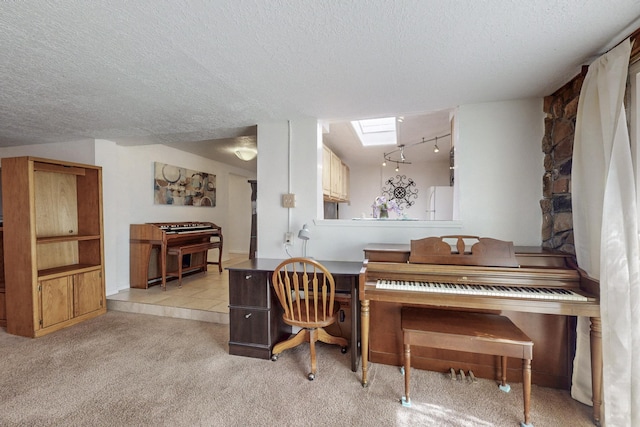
(485, 290)
(185, 228)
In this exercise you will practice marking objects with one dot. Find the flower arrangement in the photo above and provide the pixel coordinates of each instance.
(381, 207)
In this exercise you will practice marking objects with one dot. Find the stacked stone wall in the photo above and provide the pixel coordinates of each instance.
(557, 145)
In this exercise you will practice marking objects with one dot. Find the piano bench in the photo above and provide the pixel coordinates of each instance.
(179, 251)
(471, 332)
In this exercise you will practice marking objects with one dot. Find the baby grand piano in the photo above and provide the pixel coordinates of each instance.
(149, 244)
(479, 274)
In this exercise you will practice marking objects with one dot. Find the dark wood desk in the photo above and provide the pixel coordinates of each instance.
(255, 316)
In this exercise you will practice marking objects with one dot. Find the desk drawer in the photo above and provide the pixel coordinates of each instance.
(249, 289)
(249, 326)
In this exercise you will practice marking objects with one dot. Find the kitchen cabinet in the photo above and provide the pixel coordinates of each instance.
(335, 177)
(344, 182)
(326, 171)
(53, 223)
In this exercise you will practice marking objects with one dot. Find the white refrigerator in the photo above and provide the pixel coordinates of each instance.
(440, 203)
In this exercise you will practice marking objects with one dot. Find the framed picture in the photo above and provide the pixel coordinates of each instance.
(178, 186)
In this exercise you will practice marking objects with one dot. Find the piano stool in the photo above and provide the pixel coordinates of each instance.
(179, 251)
(471, 332)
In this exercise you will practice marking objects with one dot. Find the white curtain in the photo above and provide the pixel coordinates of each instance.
(606, 236)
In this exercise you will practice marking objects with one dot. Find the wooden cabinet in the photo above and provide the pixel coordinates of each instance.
(54, 272)
(326, 171)
(335, 177)
(344, 183)
(255, 316)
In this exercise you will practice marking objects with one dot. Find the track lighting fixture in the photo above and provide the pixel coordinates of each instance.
(398, 156)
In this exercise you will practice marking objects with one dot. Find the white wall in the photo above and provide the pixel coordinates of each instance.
(113, 213)
(500, 167)
(367, 182)
(128, 193)
(500, 159)
(281, 171)
(238, 233)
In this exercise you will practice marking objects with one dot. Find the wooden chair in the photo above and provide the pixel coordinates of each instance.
(306, 289)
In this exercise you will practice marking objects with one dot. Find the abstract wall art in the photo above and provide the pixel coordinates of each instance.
(178, 186)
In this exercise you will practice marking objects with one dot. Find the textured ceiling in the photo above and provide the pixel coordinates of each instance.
(149, 71)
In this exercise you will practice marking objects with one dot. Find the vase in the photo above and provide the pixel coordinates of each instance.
(384, 213)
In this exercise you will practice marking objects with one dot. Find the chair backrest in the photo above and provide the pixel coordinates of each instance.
(306, 290)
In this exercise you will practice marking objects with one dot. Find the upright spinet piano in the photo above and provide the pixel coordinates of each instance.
(149, 243)
(477, 274)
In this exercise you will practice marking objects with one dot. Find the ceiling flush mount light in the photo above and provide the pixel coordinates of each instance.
(246, 153)
(398, 156)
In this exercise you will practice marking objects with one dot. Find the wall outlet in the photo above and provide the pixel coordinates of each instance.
(289, 200)
(288, 239)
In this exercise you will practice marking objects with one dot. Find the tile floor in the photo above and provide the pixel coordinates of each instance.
(203, 296)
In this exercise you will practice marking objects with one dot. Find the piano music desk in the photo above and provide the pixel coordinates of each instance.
(470, 332)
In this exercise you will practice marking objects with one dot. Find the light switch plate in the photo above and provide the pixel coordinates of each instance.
(289, 200)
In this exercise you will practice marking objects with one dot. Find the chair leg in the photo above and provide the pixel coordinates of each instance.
(299, 338)
(310, 336)
(325, 337)
(313, 337)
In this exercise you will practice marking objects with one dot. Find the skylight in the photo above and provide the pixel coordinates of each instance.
(376, 131)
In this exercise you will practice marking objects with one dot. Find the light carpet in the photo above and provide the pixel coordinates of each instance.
(126, 369)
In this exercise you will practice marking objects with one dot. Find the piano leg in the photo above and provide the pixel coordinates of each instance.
(163, 266)
(406, 399)
(503, 374)
(596, 368)
(526, 389)
(364, 318)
